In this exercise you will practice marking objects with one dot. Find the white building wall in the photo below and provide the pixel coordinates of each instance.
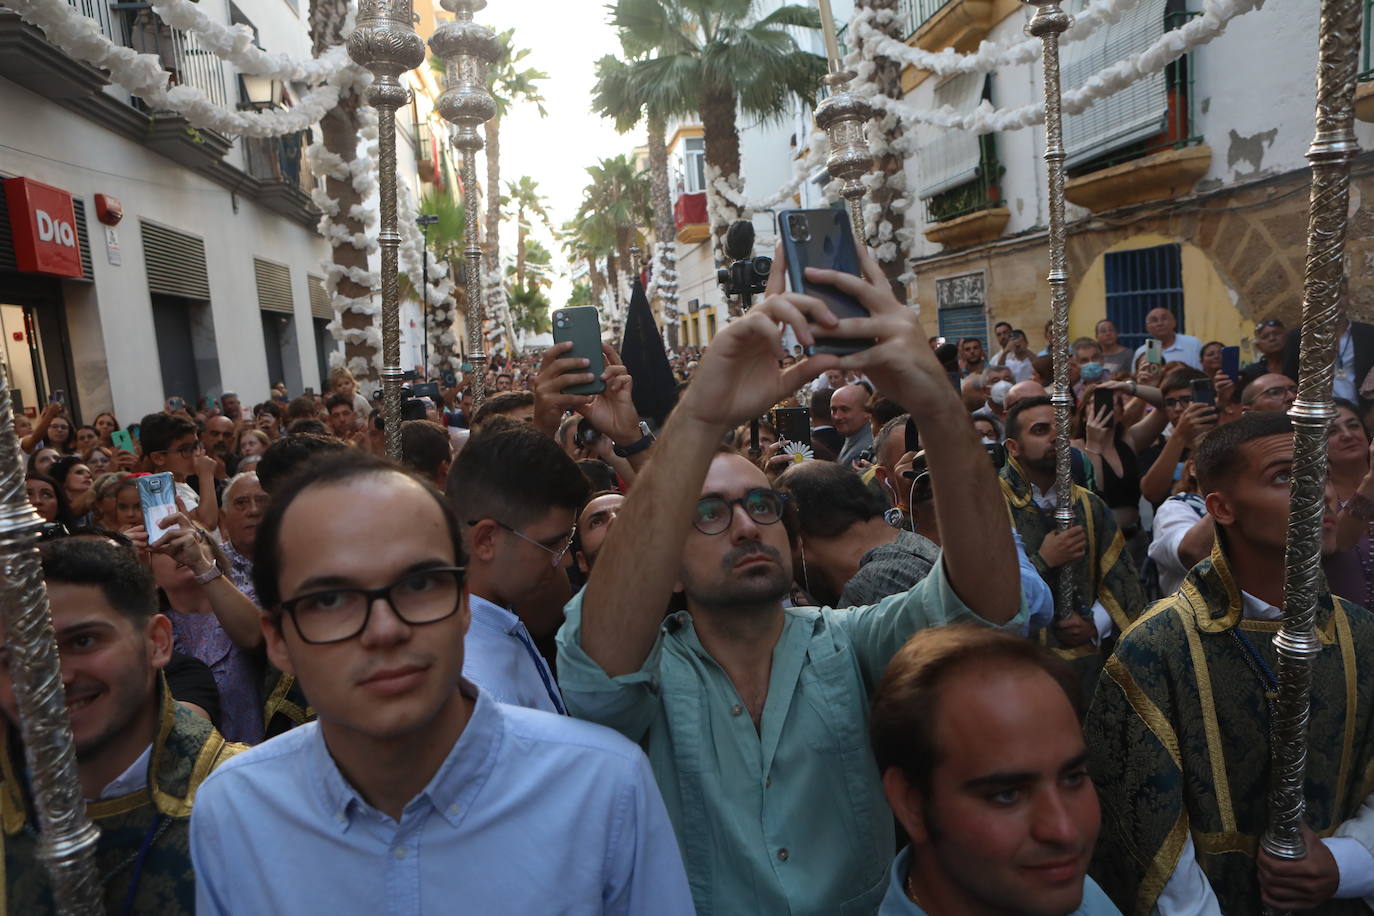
(68, 151)
(1253, 98)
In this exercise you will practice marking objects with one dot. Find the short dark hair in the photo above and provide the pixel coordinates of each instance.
(820, 406)
(977, 340)
(124, 582)
(1001, 324)
(1181, 377)
(302, 408)
(902, 723)
(883, 409)
(830, 498)
(600, 475)
(62, 467)
(1013, 419)
(516, 474)
(290, 452)
(424, 446)
(501, 403)
(338, 400)
(1219, 456)
(158, 431)
(271, 407)
(324, 469)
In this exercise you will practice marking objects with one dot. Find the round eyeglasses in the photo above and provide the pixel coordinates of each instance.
(715, 514)
(336, 614)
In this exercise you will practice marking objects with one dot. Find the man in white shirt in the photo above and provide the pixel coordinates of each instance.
(1178, 731)
(1018, 356)
(518, 494)
(1176, 347)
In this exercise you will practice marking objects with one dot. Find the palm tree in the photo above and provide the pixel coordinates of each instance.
(887, 75)
(525, 197)
(581, 295)
(615, 97)
(445, 243)
(509, 85)
(584, 241)
(613, 205)
(529, 304)
(712, 59)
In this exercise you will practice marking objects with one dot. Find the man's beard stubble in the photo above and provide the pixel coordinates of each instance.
(759, 587)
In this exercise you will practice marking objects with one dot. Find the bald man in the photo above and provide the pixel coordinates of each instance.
(1273, 392)
(1181, 348)
(1022, 390)
(847, 415)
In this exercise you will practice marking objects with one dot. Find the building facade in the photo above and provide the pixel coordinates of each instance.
(1188, 190)
(201, 266)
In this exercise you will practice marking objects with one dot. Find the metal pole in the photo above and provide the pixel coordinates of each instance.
(844, 116)
(1048, 23)
(424, 298)
(468, 49)
(1333, 148)
(386, 44)
(66, 836)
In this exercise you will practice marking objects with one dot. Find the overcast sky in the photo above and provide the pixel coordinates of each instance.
(566, 37)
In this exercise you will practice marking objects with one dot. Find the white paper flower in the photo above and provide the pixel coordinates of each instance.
(799, 452)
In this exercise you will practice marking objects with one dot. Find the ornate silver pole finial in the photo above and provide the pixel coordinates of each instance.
(1048, 23)
(467, 50)
(1323, 312)
(844, 116)
(386, 44)
(66, 836)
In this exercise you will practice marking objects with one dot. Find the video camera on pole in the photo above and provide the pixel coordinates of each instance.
(747, 274)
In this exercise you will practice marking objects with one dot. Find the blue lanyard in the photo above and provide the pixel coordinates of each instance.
(523, 636)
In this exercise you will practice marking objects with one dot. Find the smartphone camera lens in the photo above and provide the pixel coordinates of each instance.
(798, 228)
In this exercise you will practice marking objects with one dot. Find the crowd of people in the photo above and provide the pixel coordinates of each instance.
(810, 643)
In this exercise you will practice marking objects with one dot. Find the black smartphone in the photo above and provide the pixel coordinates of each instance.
(823, 238)
(793, 424)
(1230, 363)
(425, 390)
(410, 375)
(1104, 399)
(414, 409)
(1204, 392)
(449, 378)
(581, 325)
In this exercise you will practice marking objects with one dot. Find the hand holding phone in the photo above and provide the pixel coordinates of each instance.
(582, 325)
(157, 496)
(1104, 399)
(823, 239)
(1204, 392)
(1154, 353)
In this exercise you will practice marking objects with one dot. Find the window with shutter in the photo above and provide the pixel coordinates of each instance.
(1135, 113)
(949, 158)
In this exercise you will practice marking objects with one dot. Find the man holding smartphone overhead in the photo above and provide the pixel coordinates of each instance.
(780, 810)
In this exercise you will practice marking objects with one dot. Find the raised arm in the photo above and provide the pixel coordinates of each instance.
(641, 559)
(979, 553)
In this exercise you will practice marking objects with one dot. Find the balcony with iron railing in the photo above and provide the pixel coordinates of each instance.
(974, 211)
(1160, 166)
(934, 25)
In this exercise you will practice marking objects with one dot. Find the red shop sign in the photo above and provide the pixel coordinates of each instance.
(43, 224)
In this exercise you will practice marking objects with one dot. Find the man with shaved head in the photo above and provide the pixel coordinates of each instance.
(847, 414)
(1177, 348)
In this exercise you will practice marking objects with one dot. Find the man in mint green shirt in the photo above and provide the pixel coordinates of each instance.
(754, 716)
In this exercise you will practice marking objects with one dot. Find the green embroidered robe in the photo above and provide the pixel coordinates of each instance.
(186, 750)
(1105, 573)
(1178, 740)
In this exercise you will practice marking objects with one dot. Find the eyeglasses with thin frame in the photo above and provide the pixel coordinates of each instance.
(331, 615)
(715, 514)
(1279, 391)
(1178, 402)
(556, 555)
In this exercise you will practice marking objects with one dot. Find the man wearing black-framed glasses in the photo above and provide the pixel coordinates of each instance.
(754, 715)
(518, 494)
(414, 791)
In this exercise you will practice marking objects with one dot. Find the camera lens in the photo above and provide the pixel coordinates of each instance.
(762, 266)
(798, 227)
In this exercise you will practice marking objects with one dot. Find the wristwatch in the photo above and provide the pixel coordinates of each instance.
(634, 448)
(210, 575)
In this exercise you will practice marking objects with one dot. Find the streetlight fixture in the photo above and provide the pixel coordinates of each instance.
(260, 92)
(424, 221)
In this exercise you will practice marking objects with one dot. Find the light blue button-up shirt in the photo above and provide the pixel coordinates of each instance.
(529, 813)
(790, 818)
(897, 903)
(499, 657)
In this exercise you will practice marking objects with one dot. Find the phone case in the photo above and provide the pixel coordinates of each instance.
(793, 424)
(582, 326)
(1153, 352)
(157, 494)
(823, 238)
(122, 439)
(1230, 362)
